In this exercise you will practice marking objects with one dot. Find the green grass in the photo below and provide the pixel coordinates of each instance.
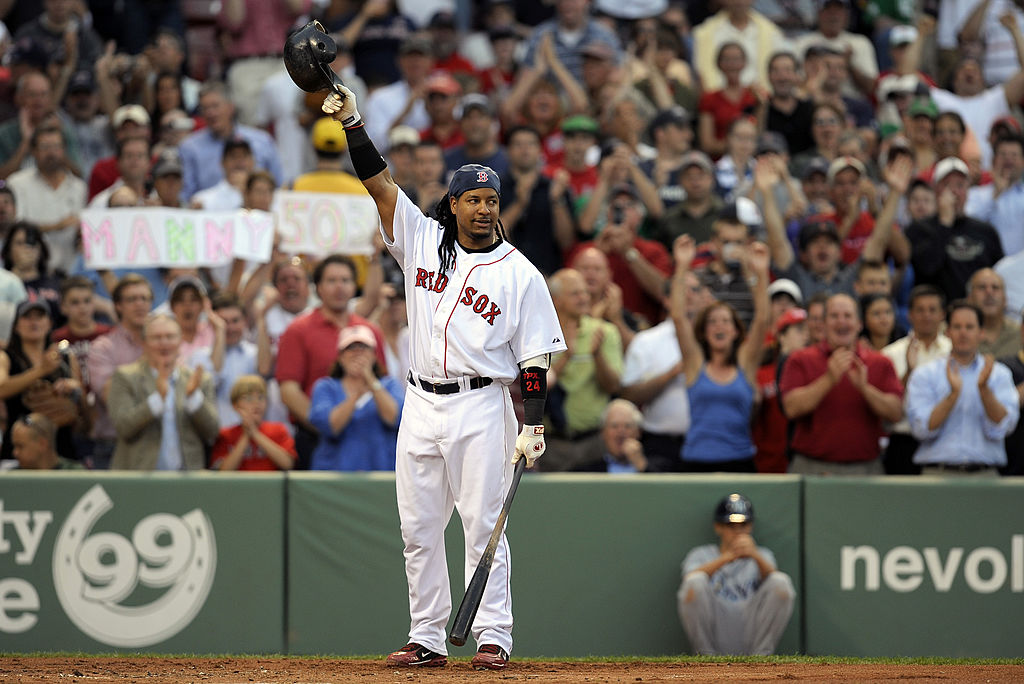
(774, 660)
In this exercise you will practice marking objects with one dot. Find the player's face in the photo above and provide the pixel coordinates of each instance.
(728, 532)
(476, 214)
(337, 287)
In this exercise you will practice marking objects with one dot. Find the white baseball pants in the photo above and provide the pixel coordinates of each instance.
(454, 451)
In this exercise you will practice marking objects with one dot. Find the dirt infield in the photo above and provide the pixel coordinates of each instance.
(158, 670)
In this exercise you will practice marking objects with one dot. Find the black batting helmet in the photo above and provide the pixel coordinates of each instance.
(308, 54)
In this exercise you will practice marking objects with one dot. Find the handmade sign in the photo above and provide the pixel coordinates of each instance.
(157, 236)
(319, 224)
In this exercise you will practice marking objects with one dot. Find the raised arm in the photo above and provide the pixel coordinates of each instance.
(366, 160)
(683, 251)
(766, 176)
(911, 57)
(757, 266)
(897, 177)
(971, 30)
(572, 89)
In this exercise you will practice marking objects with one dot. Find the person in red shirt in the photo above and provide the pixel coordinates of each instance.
(78, 304)
(719, 108)
(770, 428)
(845, 179)
(442, 94)
(447, 58)
(639, 267)
(253, 444)
(308, 347)
(128, 121)
(839, 393)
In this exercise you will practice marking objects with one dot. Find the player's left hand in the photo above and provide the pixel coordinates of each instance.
(341, 106)
(530, 443)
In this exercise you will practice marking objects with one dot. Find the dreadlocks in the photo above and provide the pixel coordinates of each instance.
(446, 250)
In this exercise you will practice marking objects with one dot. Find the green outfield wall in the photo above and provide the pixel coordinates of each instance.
(312, 562)
(909, 566)
(595, 560)
(167, 563)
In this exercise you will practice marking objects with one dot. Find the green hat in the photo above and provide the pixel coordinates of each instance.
(924, 107)
(580, 123)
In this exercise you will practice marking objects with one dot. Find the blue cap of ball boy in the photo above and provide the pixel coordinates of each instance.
(734, 508)
(472, 177)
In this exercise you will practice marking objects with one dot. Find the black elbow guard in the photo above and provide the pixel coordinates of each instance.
(534, 383)
(366, 160)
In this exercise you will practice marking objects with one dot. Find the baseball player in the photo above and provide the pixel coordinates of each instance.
(479, 312)
(733, 599)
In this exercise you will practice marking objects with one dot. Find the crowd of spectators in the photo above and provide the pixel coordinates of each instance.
(754, 216)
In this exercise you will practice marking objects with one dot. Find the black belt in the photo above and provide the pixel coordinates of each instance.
(960, 467)
(449, 387)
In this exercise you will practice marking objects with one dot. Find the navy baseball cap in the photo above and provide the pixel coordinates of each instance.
(734, 508)
(472, 176)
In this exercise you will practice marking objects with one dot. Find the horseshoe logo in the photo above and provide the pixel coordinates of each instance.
(94, 574)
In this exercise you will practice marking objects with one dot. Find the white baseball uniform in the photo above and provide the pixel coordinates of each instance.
(479, 320)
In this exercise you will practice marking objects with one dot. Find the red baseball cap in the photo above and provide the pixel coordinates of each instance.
(790, 317)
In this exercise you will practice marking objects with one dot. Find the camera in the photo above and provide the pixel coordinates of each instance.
(617, 214)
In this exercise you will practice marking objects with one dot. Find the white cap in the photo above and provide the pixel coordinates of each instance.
(901, 35)
(843, 163)
(130, 112)
(947, 166)
(747, 212)
(786, 286)
(403, 135)
(892, 83)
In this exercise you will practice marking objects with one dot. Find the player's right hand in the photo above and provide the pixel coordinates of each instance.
(341, 106)
(529, 444)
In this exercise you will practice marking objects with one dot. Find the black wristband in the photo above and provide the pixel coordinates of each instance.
(366, 160)
(534, 384)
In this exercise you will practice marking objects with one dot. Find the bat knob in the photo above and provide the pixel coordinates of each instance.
(457, 640)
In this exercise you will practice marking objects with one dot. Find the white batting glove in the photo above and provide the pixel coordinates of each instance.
(530, 443)
(342, 107)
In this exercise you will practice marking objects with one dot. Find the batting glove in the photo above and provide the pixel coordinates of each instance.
(530, 443)
(341, 106)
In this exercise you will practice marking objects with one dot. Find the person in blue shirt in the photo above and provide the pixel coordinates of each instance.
(356, 409)
(961, 407)
(720, 362)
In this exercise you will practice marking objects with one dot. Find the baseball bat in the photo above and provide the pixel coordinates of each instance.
(475, 591)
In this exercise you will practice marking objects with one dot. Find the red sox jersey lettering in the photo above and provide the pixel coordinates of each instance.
(425, 279)
(480, 303)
